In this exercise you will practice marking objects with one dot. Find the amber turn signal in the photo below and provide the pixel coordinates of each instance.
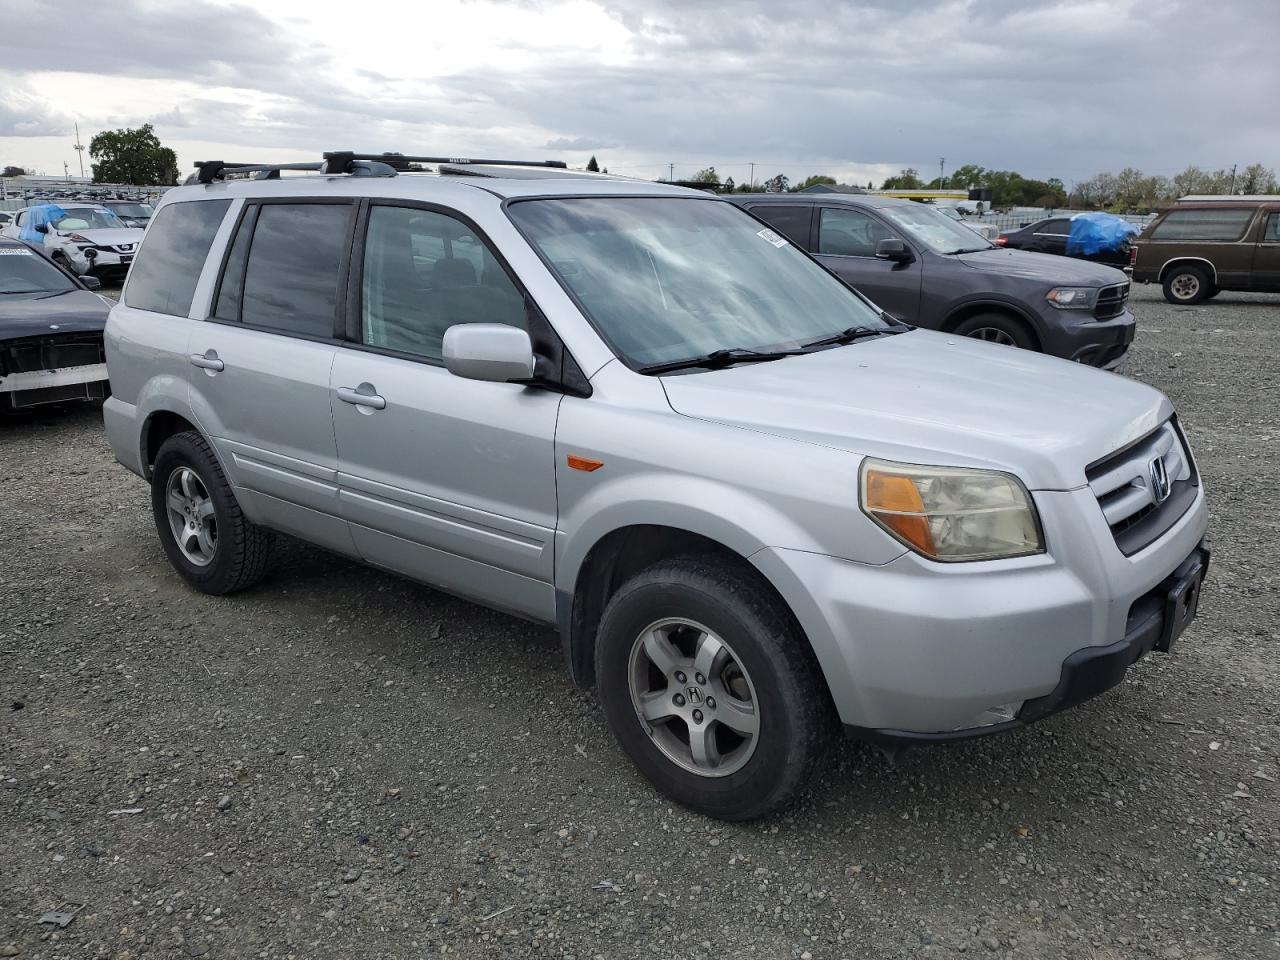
(895, 501)
(586, 464)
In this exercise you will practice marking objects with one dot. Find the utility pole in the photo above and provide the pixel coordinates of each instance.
(1233, 180)
(942, 183)
(671, 172)
(80, 149)
(753, 173)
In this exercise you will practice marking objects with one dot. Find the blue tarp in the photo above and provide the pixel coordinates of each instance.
(1095, 232)
(43, 214)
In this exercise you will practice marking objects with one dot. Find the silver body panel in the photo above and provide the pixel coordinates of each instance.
(464, 484)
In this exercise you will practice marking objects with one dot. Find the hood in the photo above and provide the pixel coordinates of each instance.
(1052, 269)
(74, 312)
(924, 397)
(110, 237)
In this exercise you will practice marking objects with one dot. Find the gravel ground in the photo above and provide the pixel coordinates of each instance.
(344, 764)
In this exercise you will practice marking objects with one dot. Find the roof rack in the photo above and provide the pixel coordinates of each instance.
(356, 165)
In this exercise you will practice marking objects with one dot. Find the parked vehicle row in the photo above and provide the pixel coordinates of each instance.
(755, 505)
(928, 270)
(50, 331)
(87, 239)
(1061, 236)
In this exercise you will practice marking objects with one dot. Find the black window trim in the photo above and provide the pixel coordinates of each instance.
(557, 367)
(252, 205)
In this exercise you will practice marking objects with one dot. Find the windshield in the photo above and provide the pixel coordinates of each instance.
(23, 271)
(935, 230)
(667, 278)
(86, 218)
(134, 211)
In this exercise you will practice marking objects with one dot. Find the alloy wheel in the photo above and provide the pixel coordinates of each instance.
(993, 335)
(192, 518)
(693, 697)
(1185, 286)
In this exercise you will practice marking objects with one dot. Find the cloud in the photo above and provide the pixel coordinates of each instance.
(24, 114)
(579, 143)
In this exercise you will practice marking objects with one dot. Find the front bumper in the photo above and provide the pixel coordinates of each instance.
(937, 651)
(1098, 343)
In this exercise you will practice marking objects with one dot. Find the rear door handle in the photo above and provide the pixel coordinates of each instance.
(362, 396)
(207, 361)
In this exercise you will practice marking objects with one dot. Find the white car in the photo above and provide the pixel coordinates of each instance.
(86, 238)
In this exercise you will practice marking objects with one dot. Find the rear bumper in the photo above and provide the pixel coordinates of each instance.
(1087, 672)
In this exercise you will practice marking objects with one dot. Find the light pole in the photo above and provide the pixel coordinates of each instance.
(80, 150)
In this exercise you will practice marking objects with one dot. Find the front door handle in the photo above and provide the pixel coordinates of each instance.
(362, 396)
(207, 361)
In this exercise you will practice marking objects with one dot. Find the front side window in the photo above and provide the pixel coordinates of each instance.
(1055, 228)
(424, 272)
(666, 278)
(164, 275)
(850, 233)
(1211, 224)
(295, 257)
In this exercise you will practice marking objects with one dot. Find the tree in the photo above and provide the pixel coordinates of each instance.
(778, 183)
(1257, 179)
(11, 171)
(132, 156)
(814, 180)
(705, 175)
(592, 166)
(908, 179)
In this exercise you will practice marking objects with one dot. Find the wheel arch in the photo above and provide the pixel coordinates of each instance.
(971, 308)
(1179, 261)
(158, 427)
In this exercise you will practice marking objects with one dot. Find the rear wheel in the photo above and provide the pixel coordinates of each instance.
(204, 534)
(710, 689)
(1186, 285)
(997, 328)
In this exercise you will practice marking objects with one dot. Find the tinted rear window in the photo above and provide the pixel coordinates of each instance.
(291, 282)
(1228, 224)
(791, 222)
(164, 275)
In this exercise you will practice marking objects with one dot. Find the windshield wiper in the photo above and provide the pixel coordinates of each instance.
(849, 336)
(719, 358)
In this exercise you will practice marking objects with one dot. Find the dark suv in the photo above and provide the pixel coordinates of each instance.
(925, 269)
(1197, 249)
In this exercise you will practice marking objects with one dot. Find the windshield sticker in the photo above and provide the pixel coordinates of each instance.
(772, 237)
(15, 252)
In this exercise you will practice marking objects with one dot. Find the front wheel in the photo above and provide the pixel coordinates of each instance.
(204, 534)
(1187, 285)
(997, 328)
(710, 688)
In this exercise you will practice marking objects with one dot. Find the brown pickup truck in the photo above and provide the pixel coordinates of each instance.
(1197, 249)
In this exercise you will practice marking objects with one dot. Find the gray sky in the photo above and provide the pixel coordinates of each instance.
(856, 90)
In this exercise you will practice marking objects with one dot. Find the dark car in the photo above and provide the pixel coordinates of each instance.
(134, 213)
(1199, 248)
(1050, 236)
(925, 269)
(51, 325)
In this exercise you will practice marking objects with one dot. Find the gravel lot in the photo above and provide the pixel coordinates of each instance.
(344, 764)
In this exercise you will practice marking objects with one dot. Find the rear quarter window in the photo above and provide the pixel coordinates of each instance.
(1228, 224)
(165, 273)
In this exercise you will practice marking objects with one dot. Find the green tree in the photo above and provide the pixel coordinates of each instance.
(908, 179)
(592, 166)
(132, 156)
(12, 171)
(814, 180)
(706, 175)
(778, 183)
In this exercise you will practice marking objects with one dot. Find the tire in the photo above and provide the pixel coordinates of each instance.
(997, 328)
(221, 551)
(765, 675)
(1213, 292)
(1186, 285)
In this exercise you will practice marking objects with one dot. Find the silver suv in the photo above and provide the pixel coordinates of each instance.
(756, 508)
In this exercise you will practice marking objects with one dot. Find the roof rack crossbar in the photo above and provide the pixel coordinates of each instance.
(397, 159)
(209, 170)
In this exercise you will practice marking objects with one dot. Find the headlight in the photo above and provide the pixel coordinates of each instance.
(951, 513)
(1073, 298)
(77, 238)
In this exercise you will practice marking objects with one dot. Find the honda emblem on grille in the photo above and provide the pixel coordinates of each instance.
(1159, 481)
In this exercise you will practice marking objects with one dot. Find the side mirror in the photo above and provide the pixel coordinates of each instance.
(894, 250)
(91, 282)
(488, 351)
(42, 228)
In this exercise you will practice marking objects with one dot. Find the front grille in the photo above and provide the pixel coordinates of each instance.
(1111, 301)
(1125, 485)
(50, 352)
